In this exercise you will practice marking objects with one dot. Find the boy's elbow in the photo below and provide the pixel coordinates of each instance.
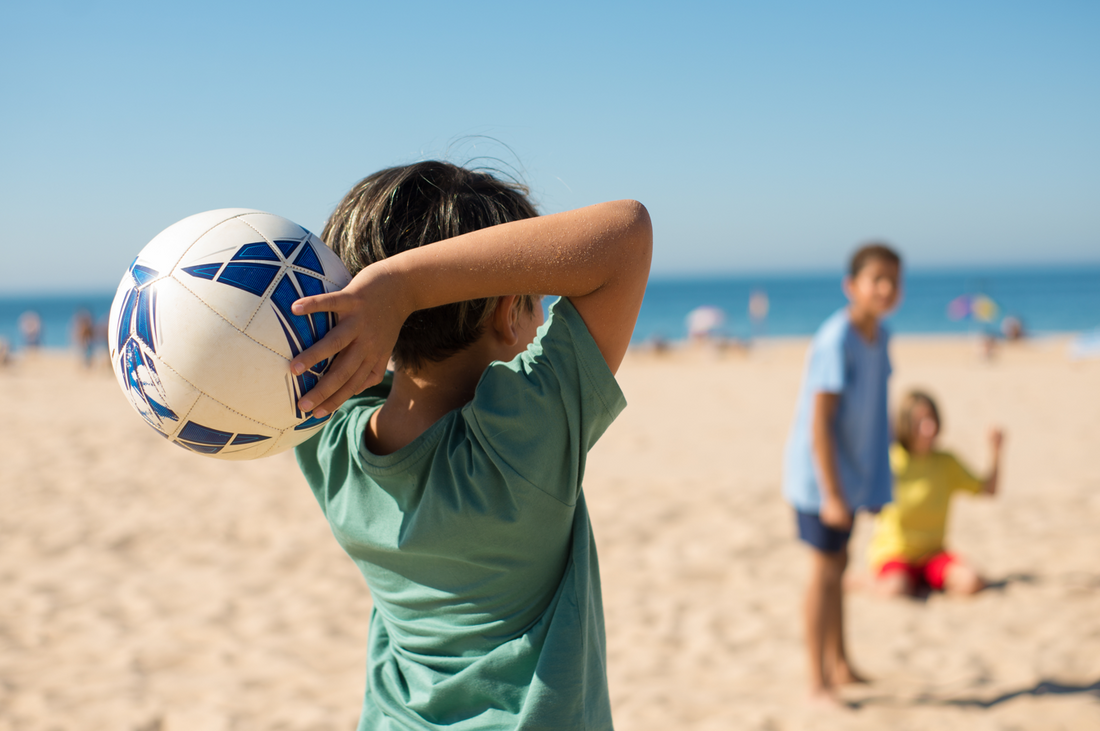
(639, 228)
(640, 223)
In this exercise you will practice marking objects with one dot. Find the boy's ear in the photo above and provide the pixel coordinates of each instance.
(505, 319)
(846, 285)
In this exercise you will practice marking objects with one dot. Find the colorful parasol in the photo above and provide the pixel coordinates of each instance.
(973, 306)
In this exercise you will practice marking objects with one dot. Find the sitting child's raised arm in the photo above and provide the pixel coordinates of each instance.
(996, 438)
(596, 256)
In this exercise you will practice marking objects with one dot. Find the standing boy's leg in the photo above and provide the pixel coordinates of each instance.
(824, 607)
(835, 659)
(824, 618)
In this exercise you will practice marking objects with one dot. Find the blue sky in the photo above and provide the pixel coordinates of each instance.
(762, 137)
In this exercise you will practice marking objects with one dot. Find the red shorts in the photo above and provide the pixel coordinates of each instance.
(930, 572)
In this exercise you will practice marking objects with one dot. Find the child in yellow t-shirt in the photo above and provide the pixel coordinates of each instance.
(907, 549)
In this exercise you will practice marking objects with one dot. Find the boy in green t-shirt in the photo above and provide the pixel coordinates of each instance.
(455, 483)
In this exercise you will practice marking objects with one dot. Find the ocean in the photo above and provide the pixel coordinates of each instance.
(1046, 299)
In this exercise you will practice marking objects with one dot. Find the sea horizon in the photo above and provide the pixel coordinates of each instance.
(1046, 299)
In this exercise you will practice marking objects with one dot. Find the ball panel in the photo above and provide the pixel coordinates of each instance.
(231, 268)
(314, 270)
(278, 328)
(274, 228)
(117, 305)
(335, 273)
(134, 303)
(288, 334)
(214, 430)
(294, 437)
(222, 362)
(167, 247)
(155, 391)
(228, 302)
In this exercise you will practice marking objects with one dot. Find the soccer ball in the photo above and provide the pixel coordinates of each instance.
(201, 334)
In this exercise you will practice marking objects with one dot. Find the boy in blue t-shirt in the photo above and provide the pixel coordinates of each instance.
(837, 459)
(454, 483)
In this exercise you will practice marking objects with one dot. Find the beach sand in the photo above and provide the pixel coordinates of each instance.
(149, 589)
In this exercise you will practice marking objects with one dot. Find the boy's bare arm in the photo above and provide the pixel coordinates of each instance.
(835, 512)
(597, 256)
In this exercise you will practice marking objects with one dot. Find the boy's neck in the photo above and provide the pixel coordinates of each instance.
(865, 321)
(421, 398)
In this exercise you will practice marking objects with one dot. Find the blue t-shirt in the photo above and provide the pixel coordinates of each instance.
(841, 361)
(475, 541)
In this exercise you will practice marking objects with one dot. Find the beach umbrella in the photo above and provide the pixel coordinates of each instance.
(704, 320)
(973, 306)
(1086, 345)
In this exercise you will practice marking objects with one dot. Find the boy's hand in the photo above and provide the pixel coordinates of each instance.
(369, 316)
(835, 513)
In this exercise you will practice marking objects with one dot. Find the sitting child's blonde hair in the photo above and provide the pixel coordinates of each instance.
(903, 425)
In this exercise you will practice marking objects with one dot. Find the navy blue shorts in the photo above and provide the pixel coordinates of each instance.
(820, 536)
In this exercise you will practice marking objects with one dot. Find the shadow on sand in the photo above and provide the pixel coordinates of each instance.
(1011, 579)
(1042, 688)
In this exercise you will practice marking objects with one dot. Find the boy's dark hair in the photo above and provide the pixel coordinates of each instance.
(405, 207)
(903, 427)
(874, 251)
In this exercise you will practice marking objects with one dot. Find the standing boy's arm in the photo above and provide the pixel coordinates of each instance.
(834, 512)
(597, 256)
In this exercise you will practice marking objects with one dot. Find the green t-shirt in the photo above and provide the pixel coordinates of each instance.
(476, 545)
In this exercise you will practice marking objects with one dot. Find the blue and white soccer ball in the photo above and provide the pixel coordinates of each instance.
(201, 334)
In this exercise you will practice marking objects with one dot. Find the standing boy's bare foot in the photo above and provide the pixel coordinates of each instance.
(827, 699)
(843, 674)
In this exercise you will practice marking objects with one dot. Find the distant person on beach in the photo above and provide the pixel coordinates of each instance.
(100, 345)
(837, 456)
(758, 311)
(907, 553)
(30, 327)
(455, 481)
(84, 336)
(1012, 328)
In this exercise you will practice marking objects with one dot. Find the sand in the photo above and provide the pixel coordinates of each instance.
(149, 589)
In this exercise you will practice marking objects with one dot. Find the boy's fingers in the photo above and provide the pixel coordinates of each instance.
(328, 302)
(339, 373)
(327, 347)
(364, 378)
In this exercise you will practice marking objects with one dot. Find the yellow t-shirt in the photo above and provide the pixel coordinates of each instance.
(912, 527)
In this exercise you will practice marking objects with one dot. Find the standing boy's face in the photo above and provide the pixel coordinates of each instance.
(875, 288)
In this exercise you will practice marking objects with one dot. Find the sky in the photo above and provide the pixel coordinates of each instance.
(762, 137)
